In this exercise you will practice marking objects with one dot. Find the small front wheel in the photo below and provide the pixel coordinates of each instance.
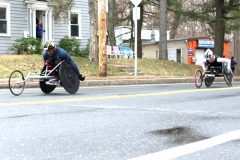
(209, 81)
(16, 82)
(198, 78)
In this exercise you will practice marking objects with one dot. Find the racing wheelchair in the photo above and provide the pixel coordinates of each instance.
(49, 79)
(211, 73)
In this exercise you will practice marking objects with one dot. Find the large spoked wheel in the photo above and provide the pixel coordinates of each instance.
(198, 78)
(16, 82)
(209, 81)
(229, 79)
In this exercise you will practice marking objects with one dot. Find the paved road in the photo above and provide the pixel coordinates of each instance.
(120, 122)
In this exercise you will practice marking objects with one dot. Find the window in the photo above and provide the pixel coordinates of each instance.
(75, 24)
(4, 19)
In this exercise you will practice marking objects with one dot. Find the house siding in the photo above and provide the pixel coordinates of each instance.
(19, 23)
(61, 30)
(85, 22)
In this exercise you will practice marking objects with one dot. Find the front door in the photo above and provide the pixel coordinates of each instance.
(172, 54)
(199, 56)
(175, 54)
(40, 16)
(40, 11)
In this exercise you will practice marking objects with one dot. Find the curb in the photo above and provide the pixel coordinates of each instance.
(121, 81)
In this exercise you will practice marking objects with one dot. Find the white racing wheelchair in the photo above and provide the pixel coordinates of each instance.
(49, 79)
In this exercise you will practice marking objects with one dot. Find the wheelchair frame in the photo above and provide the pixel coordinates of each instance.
(212, 72)
(47, 81)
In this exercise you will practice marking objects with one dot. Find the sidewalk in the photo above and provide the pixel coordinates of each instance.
(122, 80)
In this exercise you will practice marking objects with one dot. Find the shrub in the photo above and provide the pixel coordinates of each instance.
(84, 52)
(72, 46)
(28, 45)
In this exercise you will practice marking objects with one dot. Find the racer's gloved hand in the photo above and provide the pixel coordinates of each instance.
(49, 63)
(56, 62)
(81, 78)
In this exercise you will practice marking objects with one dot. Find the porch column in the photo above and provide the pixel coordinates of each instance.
(33, 23)
(30, 21)
(50, 25)
(46, 36)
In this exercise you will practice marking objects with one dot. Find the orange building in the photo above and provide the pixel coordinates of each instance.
(197, 46)
(183, 50)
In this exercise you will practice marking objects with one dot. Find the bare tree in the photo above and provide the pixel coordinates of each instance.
(111, 22)
(93, 51)
(61, 9)
(237, 50)
(139, 32)
(163, 30)
(176, 20)
(219, 27)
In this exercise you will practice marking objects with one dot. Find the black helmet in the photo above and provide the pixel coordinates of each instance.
(49, 45)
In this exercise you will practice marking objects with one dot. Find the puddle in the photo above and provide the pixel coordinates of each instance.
(180, 135)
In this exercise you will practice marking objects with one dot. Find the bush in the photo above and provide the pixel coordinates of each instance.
(72, 46)
(85, 52)
(28, 45)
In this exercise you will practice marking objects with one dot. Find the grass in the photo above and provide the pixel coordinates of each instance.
(150, 67)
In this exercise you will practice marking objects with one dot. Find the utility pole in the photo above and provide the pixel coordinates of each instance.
(102, 38)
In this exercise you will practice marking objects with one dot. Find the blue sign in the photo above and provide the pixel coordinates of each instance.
(190, 52)
(205, 43)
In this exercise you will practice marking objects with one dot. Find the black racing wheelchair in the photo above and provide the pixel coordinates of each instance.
(62, 74)
(211, 73)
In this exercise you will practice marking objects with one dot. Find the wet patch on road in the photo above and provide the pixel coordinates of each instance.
(180, 135)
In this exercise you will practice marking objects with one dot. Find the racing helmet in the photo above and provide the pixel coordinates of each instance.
(208, 54)
(49, 45)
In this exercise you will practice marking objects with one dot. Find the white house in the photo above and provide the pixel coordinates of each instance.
(123, 33)
(18, 19)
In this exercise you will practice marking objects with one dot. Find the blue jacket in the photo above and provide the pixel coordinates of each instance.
(39, 31)
(233, 63)
(63, 55)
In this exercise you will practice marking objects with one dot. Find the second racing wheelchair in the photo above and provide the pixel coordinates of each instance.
(212, 72)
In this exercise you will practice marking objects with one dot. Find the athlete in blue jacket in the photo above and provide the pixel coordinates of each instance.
(53, 54)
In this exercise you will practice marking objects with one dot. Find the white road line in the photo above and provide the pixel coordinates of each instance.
(120, 107)
(192, 147)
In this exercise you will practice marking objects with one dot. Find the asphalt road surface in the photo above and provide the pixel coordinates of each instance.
(165, 121)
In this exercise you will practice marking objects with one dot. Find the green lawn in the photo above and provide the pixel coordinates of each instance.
(33, 63)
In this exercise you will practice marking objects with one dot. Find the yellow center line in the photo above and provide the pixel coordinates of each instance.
(114, 96)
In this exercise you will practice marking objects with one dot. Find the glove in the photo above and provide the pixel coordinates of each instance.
(49, 63)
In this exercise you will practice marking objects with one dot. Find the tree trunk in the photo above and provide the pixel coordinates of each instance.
(175, 24)
(132, 44)
(111, 22)
(93, 50)
(237, 51)
(163, 30)
(139, 30)
(219, 28)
